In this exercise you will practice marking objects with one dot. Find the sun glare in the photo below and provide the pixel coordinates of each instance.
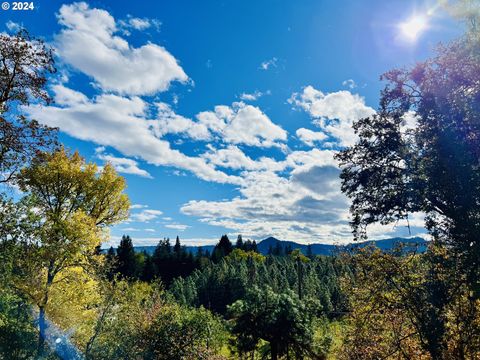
(413, 27)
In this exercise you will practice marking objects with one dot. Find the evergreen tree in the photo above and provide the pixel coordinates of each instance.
(126, 261)
(283, 320)
(148, 269)
(177, 248)
(254, 246)
(240, 244)
(222, 249)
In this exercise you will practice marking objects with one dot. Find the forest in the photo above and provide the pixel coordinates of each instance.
(64, 297)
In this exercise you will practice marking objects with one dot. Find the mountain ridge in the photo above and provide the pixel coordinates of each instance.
(414, 243)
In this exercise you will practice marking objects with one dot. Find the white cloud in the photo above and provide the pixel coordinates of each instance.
(267, 64)
(123, 165)
(253, 96)
(132, 229)
(13, 26)
(145, 215)
(237, 124)
(306, 205)
(120, 122)
(350, 83)
(153, 241)
(67, 97)
(334, 113)
(243, 124)
(309, 137)
(171, 123)
(180, 227)
(139, 23)
(232, 157)
(138, 206)
(410, 121)
(88, 43)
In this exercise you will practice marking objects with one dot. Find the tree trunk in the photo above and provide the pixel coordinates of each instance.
(273, 351)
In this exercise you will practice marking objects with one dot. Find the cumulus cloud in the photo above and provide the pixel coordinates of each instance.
(88, 43)
(334, 113)
(120, 122)
(122, 165)
(243, 124)
(309, 137)
(171, 123)
(232, 157)
(253, 96)
(237, 124)
(145, 215)
(306, 205)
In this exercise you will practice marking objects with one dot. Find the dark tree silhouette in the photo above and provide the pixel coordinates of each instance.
(25, 63)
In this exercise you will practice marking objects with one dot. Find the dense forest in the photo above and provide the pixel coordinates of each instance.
(63, 297)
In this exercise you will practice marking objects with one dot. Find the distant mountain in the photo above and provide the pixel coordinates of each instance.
(410, 244)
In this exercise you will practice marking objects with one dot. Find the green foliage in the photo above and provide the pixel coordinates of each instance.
(181, 333)
(217, 285)
(394, 170)
(283, 320)
(136, 321)
(18, 335)
(126, 260)
(222, 249)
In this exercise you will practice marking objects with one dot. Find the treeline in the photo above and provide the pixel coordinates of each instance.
(167, 262)
(218, 280)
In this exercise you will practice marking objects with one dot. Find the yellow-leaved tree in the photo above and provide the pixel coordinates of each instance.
(73, 203)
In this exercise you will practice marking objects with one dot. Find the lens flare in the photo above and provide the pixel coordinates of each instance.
(413, 27)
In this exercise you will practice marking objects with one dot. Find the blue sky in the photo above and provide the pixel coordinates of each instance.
(224, 115)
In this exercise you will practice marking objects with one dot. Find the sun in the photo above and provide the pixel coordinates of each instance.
(413, 27)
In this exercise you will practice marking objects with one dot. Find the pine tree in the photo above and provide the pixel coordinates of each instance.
(222, 249)
(148, 269)
(240, 244)
(177, 248)
(126, 262)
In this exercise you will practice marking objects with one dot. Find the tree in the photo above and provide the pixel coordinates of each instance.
(177, 248)
(222, 249)
(432, 167)
(126, 261)
(240, 244)
(25, 63)
(420, 153)
(282, 320)
(73, 203)
(148, 272)
(405, 306)
(254, 246)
